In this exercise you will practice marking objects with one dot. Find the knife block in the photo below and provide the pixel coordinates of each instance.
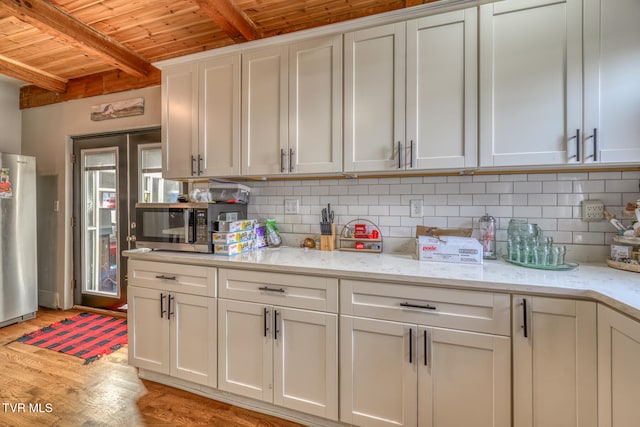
(328, 241)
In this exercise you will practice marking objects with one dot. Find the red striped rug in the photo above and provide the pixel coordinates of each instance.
(86, 335)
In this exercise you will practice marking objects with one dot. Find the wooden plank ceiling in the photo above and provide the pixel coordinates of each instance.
(70, 49)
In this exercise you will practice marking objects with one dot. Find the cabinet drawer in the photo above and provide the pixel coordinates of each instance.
(430, 306)
(188, 279)
(288, 290)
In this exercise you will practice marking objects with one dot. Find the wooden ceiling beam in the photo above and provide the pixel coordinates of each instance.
(31, 75)
(57, 23)
(231, 19)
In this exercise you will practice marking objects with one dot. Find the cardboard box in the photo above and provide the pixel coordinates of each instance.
(422, 230)
(449, 249)
(619, 252)
(234, 248)
(237, 237)
(235, 226)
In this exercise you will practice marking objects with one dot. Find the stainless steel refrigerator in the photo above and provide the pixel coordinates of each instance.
(18, 250)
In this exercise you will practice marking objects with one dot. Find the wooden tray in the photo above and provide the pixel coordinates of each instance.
(627, 266)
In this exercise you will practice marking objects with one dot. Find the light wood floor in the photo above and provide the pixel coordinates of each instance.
(107, 392)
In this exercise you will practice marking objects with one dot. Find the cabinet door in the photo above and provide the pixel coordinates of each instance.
(612, 86)
(530, 82)
(378, 373)
(219, 129)
(148, 329)
(554, 362)
(374, 96)
(315, 106)
(464, 379)
(193, 338)
(442, 91)
(618, 369)
(179, 120)
(245, 345)
(264, 112)
(305, 371)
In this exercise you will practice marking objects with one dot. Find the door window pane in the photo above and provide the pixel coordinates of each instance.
(154, 188)
(99, 222)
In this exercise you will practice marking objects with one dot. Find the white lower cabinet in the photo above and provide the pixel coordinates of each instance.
(398, 374)
(554, 362)
(409, 373)
(618, 369)
(279, 354)
(172, 320)
(173, 334)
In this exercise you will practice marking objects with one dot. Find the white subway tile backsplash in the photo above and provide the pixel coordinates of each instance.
(527, 187)
(499, 187)
(447, 211)
(460, 199)
(588, 186)
(486, 199)
(588, 238)
(542, 199)
(449, 188)
(552, 200)
(473, 188)
(557, 212)
(621, 186)
(557, 187)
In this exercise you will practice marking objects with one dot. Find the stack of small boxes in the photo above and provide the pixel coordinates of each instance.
(234, 237)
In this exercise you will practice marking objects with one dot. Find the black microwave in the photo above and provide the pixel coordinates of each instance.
(182, 226)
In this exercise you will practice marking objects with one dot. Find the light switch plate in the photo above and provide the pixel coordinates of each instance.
(291, 206)
(592, 210)
(415, 207)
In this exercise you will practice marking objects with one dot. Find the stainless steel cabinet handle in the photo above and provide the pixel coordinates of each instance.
(268, 289)
(410, 346)
(524, 318)
(399, 153)
(266, 324)
(169, 312)
(424, 307)
(426, 362)
(282, 154)
(162, 310)
(577, 138)
(595, 145)
(411, 155)
(291, 153)
(162, 276)
(275, 324)
(199, 164)
(193, 166)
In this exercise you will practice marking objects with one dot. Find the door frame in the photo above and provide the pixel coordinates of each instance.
(127, 142)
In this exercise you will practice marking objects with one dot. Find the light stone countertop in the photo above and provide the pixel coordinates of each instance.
(615, 288)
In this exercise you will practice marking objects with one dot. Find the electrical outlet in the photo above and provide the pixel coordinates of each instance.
(592, 210)
(416, 208)
(291, 206)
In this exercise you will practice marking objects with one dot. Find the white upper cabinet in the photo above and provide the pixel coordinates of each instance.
(442, 101)
(411, 94)
(264, 111)
(530, 82)
(612, 86)
(291, 108)
(315, 106)
(201, 118)
(179, 120)
(219, 132)
(374, 98)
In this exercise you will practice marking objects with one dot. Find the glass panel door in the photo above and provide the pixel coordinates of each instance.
(99, 240)
(154, 188)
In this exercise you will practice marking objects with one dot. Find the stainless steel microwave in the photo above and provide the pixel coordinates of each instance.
(182, 226)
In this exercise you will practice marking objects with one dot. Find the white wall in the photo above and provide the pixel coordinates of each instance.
(10, 118)
(46, 133)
